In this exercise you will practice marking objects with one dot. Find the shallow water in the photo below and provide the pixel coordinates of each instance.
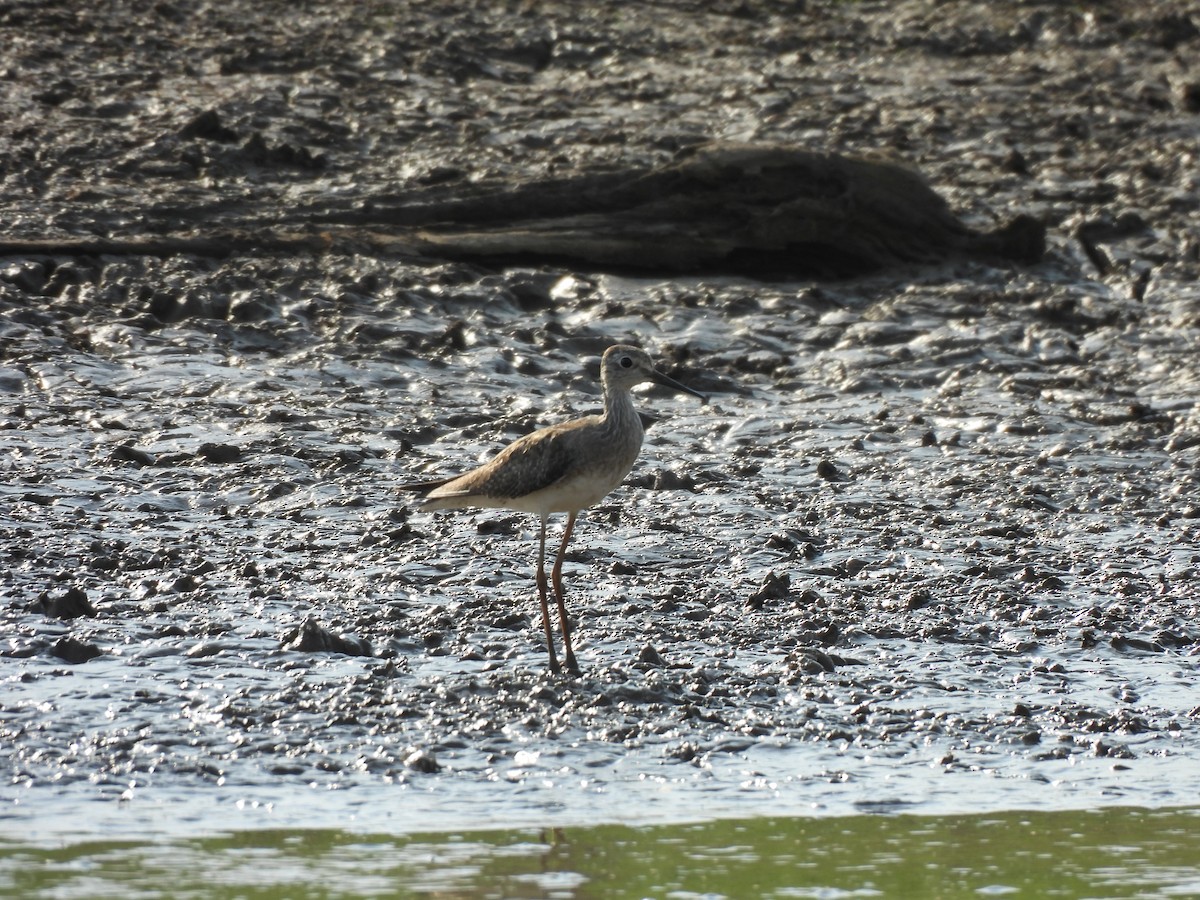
(1123, 852)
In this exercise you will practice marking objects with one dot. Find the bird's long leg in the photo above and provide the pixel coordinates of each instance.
(541, 585)
(556, 574)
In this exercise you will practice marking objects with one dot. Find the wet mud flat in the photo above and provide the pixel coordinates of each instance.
(932, 545)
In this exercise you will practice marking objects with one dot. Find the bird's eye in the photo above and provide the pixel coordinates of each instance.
(626, 362)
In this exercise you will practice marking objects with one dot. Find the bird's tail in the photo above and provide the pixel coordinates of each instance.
(424, 487)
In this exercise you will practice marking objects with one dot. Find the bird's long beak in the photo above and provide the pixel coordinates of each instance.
(667, 381)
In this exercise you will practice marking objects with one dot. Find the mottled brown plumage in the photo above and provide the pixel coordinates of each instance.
(563, 468)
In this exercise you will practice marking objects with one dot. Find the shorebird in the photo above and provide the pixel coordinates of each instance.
(562, 468)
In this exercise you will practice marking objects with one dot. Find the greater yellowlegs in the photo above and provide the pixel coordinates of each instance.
(563, 468)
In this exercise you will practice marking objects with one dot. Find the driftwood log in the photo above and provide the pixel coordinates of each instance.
(761, 210)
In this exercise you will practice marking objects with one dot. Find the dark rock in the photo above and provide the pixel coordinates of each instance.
(827, 470)
(220, 453)
(532, 290)
(185, 584)
(208, 126)
(1123, 642)
(511, 621)
(812, 661)
(649, 656)
(73, 651)
(781, 540)
(26, 275)
(1015, 162)
(313, 637)
(206, 649)
(252, 308)
(1172, 29)
(132, 454)
(19, 649)
(670, 480)
(257, 151)
(422, 761)
(104, 563)
(506, 525)
(774, 587)
(72, 604)
(1188, 93)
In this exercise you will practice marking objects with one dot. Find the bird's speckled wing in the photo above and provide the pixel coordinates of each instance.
(526, 466)
(531, 464)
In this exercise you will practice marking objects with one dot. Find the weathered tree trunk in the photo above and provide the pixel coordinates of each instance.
(761, 210)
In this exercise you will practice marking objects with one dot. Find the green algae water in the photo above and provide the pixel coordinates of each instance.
(1116, 852)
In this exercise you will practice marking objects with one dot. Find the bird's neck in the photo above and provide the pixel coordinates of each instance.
(619, 412)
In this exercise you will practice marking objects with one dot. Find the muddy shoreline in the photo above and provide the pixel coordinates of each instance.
(932, 546)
